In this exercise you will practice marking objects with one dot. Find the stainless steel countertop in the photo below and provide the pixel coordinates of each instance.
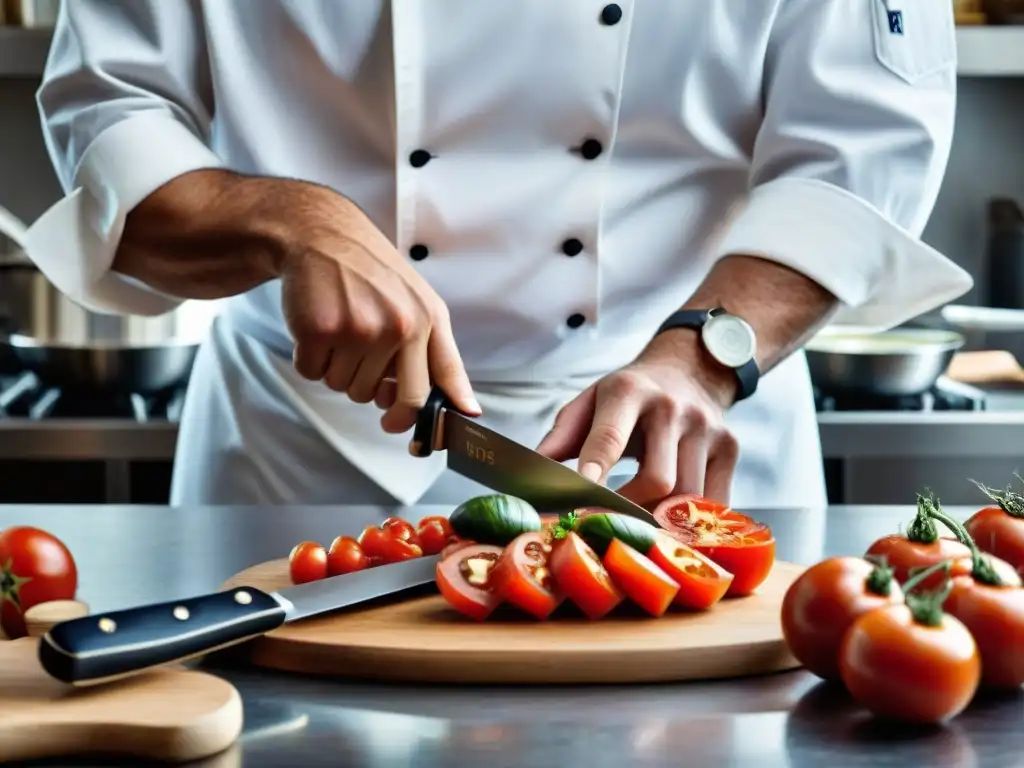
(128, 555)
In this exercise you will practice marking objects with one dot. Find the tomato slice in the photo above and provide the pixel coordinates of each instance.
(432, 536)
(582, 577)
(400, 529)
(702, 582)
(700, 522)
(464, 580)
(522, 577)
(345, 556)
(454, 544)
(307, 562)
(750, 564)
(643, 582)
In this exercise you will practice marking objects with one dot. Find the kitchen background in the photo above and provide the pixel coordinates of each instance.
(53, 448)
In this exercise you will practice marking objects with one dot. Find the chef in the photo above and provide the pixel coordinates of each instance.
(606, 228)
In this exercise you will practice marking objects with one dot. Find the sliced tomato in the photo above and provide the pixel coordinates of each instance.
(397, 550)
(307, 562)
(522, 577)
(702, 582)
(345, 556)
(644, 583)
(737, 542)
(373, 540)
(455, 543)
(464, 580)
(433, 535)
(582, 577)
(400, 529)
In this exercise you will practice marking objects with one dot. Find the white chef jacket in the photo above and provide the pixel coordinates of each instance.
(564, 174)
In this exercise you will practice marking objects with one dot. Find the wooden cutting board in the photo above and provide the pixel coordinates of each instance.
(170, 715)
(422, 640)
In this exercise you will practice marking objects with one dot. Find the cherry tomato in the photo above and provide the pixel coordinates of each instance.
(440, 520)
(824, 601)
(580, 575)
(464, 580)
(902, 668)
(35, 567)
(904, 555)
(432, 536)
(345, 556)
(999, 530)
(702, 583)
(995, 617)
(737, 542)
(400, 529)
(522, 577)
(394, 550)
(307, 562)
(373, 540)
(643, 582)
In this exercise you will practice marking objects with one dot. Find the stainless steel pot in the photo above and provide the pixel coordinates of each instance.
(66, 345)
(906, 361)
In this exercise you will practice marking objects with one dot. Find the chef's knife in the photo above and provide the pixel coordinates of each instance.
(102, 647)
(504, 465)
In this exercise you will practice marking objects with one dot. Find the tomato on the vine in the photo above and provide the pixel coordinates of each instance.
(307, 562)
(522, 576)
(741, 545)
(464, 579)
(345, 556)
(825, 600)
(999, 529)
(35, 567)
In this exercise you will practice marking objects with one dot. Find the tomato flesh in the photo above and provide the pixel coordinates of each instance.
(582, 577)
(345, 556)
(307, 562)
(644, 583)
(903, 556)
(903, 670)
(995, 617)
(522, 576)
(464, 580)
(999, 534)
(820, 606)
(702, 583)
(35, 567)
(455, 543)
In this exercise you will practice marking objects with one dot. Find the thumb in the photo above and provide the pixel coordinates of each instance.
(572, 424)
(448, 372)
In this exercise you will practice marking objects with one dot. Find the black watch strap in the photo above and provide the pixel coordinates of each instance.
(747, 374)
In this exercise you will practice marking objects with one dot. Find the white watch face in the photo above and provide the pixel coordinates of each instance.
(730, 340)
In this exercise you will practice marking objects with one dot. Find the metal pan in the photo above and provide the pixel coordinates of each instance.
(897, 363)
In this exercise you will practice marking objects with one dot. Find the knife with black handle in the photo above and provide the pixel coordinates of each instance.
(107, 646)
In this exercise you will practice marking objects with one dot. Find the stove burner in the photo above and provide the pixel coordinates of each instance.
(24, 396)
(946, 395)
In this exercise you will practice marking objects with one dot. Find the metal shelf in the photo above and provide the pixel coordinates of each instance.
(983, 51)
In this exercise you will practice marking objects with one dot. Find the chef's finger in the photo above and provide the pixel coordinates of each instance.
(614, 420)
(692, 461)
(725, 453)
(387, 391)
(413, 386)
(448, 372)
(372, 369)
(658, 464)
(312, 358)
(572, 424)
(345, 360)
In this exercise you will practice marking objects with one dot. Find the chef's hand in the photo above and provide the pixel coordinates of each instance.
(360, 314)
(665, 409)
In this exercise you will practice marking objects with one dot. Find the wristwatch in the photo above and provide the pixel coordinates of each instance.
(728, 339)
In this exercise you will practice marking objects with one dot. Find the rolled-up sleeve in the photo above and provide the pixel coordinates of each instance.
(126, 106)
(859, 105)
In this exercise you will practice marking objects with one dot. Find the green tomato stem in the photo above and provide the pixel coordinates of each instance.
(1011, 502)
(910, 584)
(879, 581)
(922, 529)
(981, 569)
(927, 608)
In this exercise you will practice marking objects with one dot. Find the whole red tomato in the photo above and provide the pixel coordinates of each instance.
(35, 567)
(999, 530)
(995, 617)
(825, 600)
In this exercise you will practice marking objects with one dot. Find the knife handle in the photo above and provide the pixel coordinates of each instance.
(101, 647)
(428, 422)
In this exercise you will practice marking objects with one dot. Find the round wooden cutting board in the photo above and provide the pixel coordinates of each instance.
(168, 715)
(422, 640)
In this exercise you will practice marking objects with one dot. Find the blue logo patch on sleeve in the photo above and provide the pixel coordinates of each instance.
(895, 22)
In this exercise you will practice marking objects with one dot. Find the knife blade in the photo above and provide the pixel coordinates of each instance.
(506, 466)
(103, 647)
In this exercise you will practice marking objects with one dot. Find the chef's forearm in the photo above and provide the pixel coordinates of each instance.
(211, 234)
